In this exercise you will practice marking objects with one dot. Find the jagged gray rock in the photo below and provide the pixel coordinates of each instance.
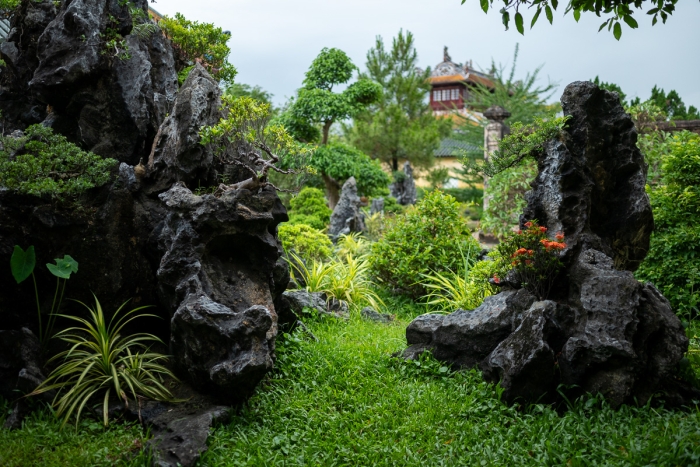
(404, 189)
(293, 303)
(377, 205)
(602, 331)
(347, 217)
(63, 74)
(371, 314)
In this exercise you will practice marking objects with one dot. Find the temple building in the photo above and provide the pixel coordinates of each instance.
(450, 84)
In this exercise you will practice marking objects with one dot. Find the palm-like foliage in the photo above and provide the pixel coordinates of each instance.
(101, 363)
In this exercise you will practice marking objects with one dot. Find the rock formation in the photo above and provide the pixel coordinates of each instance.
(601, 331)
(404, 188)
(211, 266)
(347, 216)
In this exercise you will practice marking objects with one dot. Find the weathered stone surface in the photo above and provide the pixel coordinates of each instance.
(405, 190)
(371, 314)
(62, 72)
(20, 371)
(347, 217)
(604, 332)
(295, 301)
(377, 205)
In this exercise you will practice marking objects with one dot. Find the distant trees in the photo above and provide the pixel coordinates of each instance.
(400, 124)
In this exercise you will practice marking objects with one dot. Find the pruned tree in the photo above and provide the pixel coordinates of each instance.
(244, 138)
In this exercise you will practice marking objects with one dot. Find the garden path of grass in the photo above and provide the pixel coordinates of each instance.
(342, 400)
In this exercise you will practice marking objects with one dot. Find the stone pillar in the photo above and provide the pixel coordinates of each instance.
(494, 131)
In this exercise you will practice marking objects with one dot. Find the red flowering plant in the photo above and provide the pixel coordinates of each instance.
(530, 258)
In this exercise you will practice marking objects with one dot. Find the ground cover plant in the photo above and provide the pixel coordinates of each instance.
(343, 400)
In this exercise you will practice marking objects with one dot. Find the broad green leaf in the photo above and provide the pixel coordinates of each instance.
(484, 5)
(617, 30)
(519, 23)
(577, 15)
(22, 263)
(63, 267)
(555, 4)
(631, 22)
(505, 17)
(548, 12)
(534, 18)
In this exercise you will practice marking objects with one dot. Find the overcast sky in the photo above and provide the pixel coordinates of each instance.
(274, 41)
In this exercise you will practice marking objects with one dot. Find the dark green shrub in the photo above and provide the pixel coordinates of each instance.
(673, 261)
(308, 243)
(43, 163)
(309, 207)
(340, 161)
(428, 238)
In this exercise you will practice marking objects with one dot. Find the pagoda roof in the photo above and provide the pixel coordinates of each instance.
(447, 72)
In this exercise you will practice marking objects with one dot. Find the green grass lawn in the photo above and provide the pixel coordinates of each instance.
(343, 400)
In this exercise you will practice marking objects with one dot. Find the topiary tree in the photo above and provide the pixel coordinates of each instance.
(340, 161)
(42, 163)
(429, 238)
(316, 103)
(308, 243)
(309, 207)
(673, 261)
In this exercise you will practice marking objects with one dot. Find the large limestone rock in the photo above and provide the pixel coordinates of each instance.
(404, 189)
(62, 71)
(601, 331)
(347, 217)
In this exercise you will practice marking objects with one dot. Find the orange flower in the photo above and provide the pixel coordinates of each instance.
(543, 229)
(528, 224)
(520, 232)
(530, 252)
(559, 236)
(496, 280)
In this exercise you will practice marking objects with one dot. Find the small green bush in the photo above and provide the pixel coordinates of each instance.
(43, 163)
(673, 261)
(309, 243)
(428, 238)
(309, 207)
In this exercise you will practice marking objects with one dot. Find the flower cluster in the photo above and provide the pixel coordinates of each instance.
(531, 258)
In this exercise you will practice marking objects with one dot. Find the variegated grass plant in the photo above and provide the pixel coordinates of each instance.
(102, 363)
(343, 280)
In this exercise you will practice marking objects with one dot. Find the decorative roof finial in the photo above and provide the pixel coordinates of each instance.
(445, 56)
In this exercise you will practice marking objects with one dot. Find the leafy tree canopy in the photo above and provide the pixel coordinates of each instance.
(341, 161)
(399, 125)
(317, 103)
(616, 11)
(256, 92)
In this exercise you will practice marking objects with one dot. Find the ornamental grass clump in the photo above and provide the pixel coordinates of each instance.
(101, 363)
(530, 258)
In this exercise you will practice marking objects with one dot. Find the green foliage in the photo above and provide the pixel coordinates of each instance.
(40, 441)
(341, 161)
(524, 141)
(426, 239)
(617, 10)
(506, 198)
(42, 163)
(7, 7)
(352, 244)
(307, 242)
(673, 105)
(450, 291)
(23, 263)
(256, 92)
(400, 124)
(343, 400)
(673, 261)
(301, 129)
(317, 103)
(530, 258)
(346, 280)
(309, 207)
(200, 42)
(101, 363)
(245, 128)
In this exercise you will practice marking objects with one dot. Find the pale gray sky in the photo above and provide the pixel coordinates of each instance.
(274, 41)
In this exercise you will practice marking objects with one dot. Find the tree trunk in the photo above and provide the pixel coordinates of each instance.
(332, 190)
(326, 129)
(394, 164)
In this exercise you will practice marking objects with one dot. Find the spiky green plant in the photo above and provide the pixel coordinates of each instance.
(101, 363)
(352, 244)
(349, 281)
